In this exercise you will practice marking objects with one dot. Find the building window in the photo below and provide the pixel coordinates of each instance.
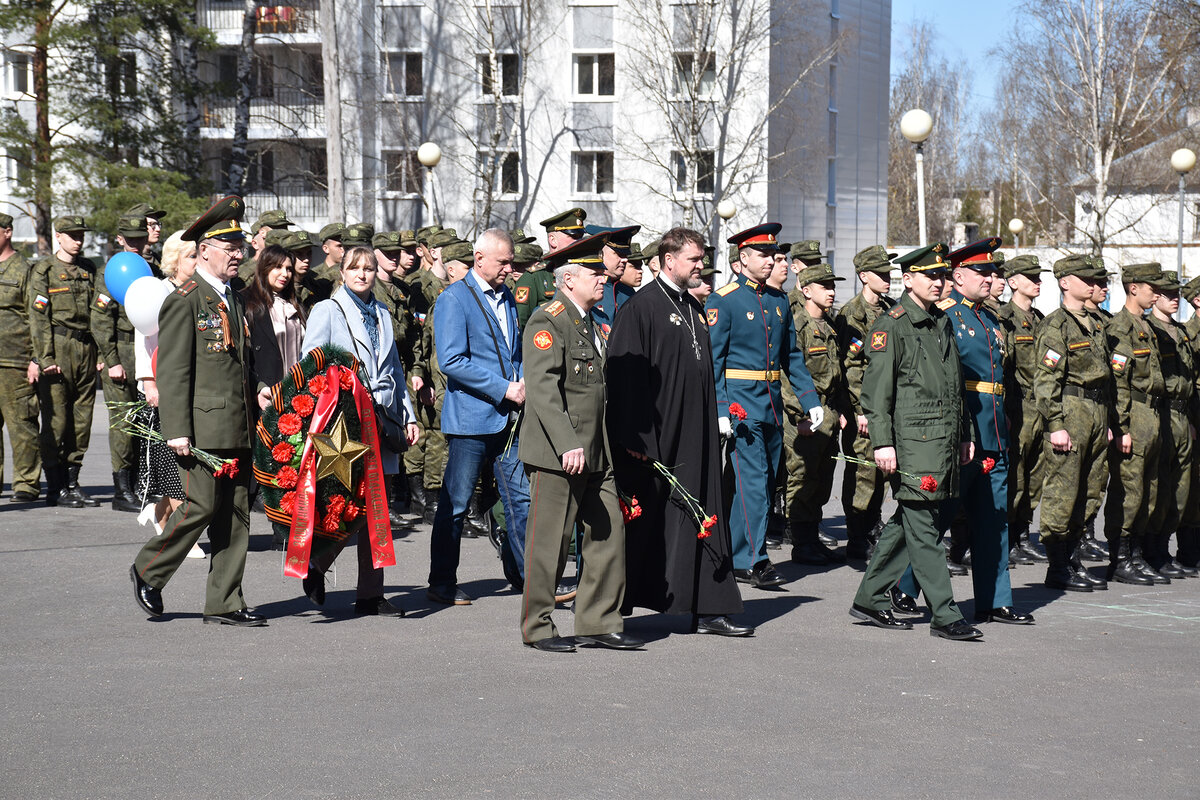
(405, 74)
(593, 173)
(705, 172)
(121, 75)
(262, 77)
(506, 174)
(22, 73)
(508, 67)
(595, 74)
(260, 170)
(404, 172)
(19, 172)
(695, 74)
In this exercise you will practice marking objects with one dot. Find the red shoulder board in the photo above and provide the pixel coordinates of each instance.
(897, 312)
(186, 288)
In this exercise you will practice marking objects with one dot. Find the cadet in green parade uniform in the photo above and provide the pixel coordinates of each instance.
(912, 395)
(1073, 388)
(207, 396)
(18, 370)
(274, 220)
(1180, 376)
(1135, 457)
(113, 333)
(1020, 321)
(862, 486)
(61, 294)
(536, 286)
(809, 450)
(1188, 554)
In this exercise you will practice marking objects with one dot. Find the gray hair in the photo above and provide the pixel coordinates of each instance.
(492, 236)
(560, 273)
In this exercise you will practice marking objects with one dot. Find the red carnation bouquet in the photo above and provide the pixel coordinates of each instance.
(131, 424)
(705, 522)
(926, 483)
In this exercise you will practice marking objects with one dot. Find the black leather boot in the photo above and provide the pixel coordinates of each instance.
(431, 504)
(1121, 569)
(72, 496)
(123, 497)
(1031, 547)
(1137, 558)
(416, 494)
(807, 547)
(858, 544)
(54, 485)
(959, 542)
(1081, 572)
(1096, 549)
(1188, 552)
(1058, 570)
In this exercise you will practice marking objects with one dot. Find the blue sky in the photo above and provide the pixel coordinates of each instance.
(966, 29)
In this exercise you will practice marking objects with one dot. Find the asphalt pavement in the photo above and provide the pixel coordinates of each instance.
(1099, 699)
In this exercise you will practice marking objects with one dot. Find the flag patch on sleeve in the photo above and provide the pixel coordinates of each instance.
(1051, 358)
(855, 344)
(40, 302)
(1118, 362)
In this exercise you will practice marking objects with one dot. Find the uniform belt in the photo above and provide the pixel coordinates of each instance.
(1095, 395)
(754, 374)
(1152, 400)
(1180, 403)
(79, 336)
(984, 387)
(124, 336)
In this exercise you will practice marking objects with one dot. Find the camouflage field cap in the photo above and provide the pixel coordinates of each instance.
(6, 221)
(145, 210)
(1026, 265)
(70, 225)
(651, 250)
(875, 258)
(334, 230)
(520, 237)
(524, 253)
(458, 250)
(358, 235)
(808, 252)
(133, 227)
(817, 273)
(1075, 264)
(1169, 281)
(1147, 272)
(275, 218)
(443, 237)
(387, 241)
(408, 239)
(1191, 289)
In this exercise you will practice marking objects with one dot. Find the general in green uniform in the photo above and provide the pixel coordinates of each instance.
(18, 371)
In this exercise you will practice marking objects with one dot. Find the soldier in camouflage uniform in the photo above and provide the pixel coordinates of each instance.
(306, 290)
(113, 333)
(326, 274)
(1180, 375)
(151, 250)
(1092, 548)
(1188, 554)
(862, 486)
(1074, 392)
(267, 221)
(18, 371)
(423, 290)
(61, 295)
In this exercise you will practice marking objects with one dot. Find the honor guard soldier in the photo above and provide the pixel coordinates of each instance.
(267, 221)
(18, 370)
(810, 450)
(616, 261)
(1180, 375)
(536, 286)
(564, 446)
(862, 485)
(62, 293)
(206, 390)
(912, 395)
(114, 335)
(1073, 388)
(754, 345)
(1135, 458)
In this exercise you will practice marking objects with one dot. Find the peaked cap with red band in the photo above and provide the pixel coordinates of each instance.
(980, 254)
(760, 237)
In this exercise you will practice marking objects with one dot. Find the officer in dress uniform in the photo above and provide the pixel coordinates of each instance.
(206, 390)
(18, 370)
(754, 345)
(616, 261)
(536, 286)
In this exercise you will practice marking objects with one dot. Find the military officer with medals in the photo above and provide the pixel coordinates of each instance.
(206, 392)
(18, 370)
(754, 345)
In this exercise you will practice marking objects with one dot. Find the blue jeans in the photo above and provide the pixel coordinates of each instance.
(465, 456)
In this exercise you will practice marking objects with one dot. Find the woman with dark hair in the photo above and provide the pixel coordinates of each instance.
(275, 319)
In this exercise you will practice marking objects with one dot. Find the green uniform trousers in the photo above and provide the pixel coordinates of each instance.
(414, 456)
(1133, 486)
(1066, 485)
(1028, 466)
(557, 501)
(810, 467)
(66, 403)
(19, 414)
(121, 445)
(222, 506)
(1175, 479)
(862, 485)
(911, 535)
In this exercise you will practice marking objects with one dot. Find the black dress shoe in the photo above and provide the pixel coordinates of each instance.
(314, 585)
(957, 570)
(148, 598)
(23, 497)
(1018, 556)
(743, 575)
(827, 540)
(765, 576)
(377, 607)
(553, 644)
(902, 603)
(958, 630)
(774, 541)
(814, 553)
(1005, 614)
(615, 641)
(241, 618)
(448, 595)
(721, 626)
(880, 619)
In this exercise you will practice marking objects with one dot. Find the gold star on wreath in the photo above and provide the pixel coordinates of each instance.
(336, 452)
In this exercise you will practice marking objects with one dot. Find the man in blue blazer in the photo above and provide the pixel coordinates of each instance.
(478, 345)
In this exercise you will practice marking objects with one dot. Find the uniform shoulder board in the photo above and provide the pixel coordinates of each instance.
(554, 308)
(897, 312)
(727, 288)
(944, 304)
(186, 288)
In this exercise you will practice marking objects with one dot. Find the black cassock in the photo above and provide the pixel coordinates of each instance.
(662, 402)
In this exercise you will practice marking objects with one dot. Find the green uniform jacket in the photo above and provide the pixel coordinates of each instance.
(424, 288)
(425, 363)
(60, 296)
(15, 279)
(564, 389)
(533, 288)
(1020, 340)
(818, 341)
(204, 387)
(912, 394)
(109, 323)
(852, 325)
(1136, 365)
(1069, 355)
(1179, 365)
(395, 300)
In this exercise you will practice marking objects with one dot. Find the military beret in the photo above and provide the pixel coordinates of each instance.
(816, 273)
(70, 225)
(1191, 289)
(979, 255)
(408, 239)
(585, 252)
(223, 221)
(760, 237)
(1023, 265)
(651, 250)
(145, 210)
(1075, 264)
(1149, 272)
(875, 258)
(808, 251)
(924, 259)
(6, 221)
(387, 241)
(334, 230)
(519, 237)
(1169, 281)
(523, 253)
(358, 235)
(569, 221)
(458, 250)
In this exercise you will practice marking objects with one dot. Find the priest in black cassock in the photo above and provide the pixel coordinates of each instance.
(662, 406)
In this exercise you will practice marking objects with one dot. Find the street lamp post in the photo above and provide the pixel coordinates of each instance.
(429, 154)
(916, 125)
(1016, 225)
(1182, 161)
(725, 210)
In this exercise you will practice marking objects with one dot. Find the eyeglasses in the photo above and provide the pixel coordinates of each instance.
(153, 223)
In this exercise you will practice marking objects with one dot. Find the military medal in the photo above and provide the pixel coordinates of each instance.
(750, 315)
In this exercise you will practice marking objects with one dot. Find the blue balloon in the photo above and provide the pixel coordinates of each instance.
(121, 271)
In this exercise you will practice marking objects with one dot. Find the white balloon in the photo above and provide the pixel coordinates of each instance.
(143, 300)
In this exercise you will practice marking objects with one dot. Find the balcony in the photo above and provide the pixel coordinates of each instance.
(295, 112)
(224, 16)
(306, 205)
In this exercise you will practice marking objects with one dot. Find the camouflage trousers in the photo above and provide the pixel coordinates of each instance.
(862, 486)
(19, 416)
(1177, 473)
(121, 445)
(66, 402)
(1027, 465)
(427, 457)
(810, 467)
(1066, 484)
(1133, 484)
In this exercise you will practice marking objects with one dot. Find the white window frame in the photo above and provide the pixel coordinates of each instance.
(594, 192)
(595, 96)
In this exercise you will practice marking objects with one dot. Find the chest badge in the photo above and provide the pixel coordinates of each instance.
(750, 315)
(675, 318)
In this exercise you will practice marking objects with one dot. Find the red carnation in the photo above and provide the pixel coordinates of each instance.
(331, 523)
(736, 411)
(303, 404)
(346, 379)
(929, 484)
(362, 490)
(283, 453)
(352, 511)
(286, 478)
(335, 506)
(703, 534)
(287, 503)
(317, 384)
(988, 465)
(709, 522)
(630, 511)
(289, 424)
(228, 469)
